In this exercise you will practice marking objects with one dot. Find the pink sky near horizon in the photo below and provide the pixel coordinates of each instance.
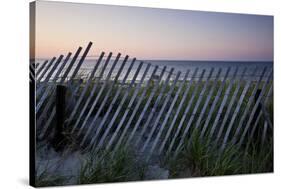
(148, 33)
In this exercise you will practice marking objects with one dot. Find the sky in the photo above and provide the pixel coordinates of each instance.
(151, 33)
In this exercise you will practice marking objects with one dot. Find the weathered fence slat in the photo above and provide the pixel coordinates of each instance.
(237, 109)
(249, 103)
(226, 95)
(42, 66)
(178, 111)
(136, 91)
(46, 69)
(154, 127)
(85, 88)
(202, 113)
(156, 122)
(229, 107)
(153, 110)
(193, 113)
(108, 93)
(135, 108)
(50, 88)
(66, 72)
(145, 107)
(50, 73)
(31, 73)
(81, 61)
(120, 104)
(169, 112)
(40, 90)
(52, 98)
(94, 90)
(107, 83)
(265, 101)
(260, 114)
(214, 103)
(253, 111)
(179, 127)
(51, 101)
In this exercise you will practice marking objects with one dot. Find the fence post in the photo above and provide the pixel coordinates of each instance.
(60, 116)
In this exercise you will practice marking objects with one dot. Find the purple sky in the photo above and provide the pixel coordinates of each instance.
(150, 33)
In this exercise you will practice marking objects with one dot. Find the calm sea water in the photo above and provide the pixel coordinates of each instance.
(253, 69)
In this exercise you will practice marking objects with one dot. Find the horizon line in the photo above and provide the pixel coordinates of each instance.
(154, 59)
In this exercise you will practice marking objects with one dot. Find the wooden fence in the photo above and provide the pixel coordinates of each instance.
(156, 110)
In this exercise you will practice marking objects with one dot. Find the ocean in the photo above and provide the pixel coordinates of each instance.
(253, 69)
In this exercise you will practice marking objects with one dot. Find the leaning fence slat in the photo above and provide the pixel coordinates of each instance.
(247, 109)
(126, 127)
(229, 107)
(168, 97)
(120, 104)
(51, 101)
(253, 111)
(56, 77)
(192, 116)
(32, 71)
(42, 66)
(66, 72)
(229, 126)
(136, 91)
(214, 103)
(258, 119)
(224, 101)
(187, 109)
(94, 89)
(39, 91)
(153, 110)
(51, 72)
(52, 98)
(85, 89)
(211, 93)
(169, 112)
(90, 127)
(46, 69)
(47, 78)
(103, 103)
(260, 114)
(49, 89)
(263, 112)
(237, 109)
(79, 64)
(81, 61)
(178, 111)
(145, 108)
